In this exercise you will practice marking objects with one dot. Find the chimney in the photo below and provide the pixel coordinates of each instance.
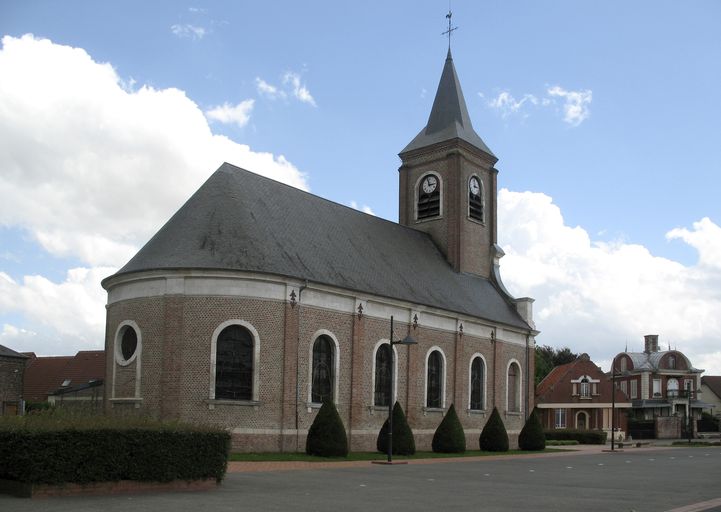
(651, 343)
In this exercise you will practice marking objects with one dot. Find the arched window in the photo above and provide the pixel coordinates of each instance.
(434, 380)
(322, 377)
(234, 364)
(475, 198)
(514, 387)
(672, 388)
(624, 366)
(585, 388)
(429, 197)
(382, 377)
(477, 383)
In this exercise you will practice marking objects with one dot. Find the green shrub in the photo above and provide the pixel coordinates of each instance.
(531, 437)
(582, 436)
(494, 437)
(327, 437)
(567, 442)
(449, 436)
(53, 448)
(403, 441)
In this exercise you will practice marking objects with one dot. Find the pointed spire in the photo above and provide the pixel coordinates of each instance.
(449, 117)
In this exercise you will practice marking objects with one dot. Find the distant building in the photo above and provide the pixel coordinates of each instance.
(66, 380)
(577, 395)
(711, 393)
(12, 368)
(662, 386)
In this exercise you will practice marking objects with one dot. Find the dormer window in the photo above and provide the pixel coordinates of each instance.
(429, 197)
(671, 362)
(585, 388)
(475, 199)
(65, 383)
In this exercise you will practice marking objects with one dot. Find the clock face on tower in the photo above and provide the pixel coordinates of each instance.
(474, 186)
(430, 183)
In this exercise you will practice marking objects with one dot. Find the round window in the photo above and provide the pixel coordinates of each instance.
(128, 343)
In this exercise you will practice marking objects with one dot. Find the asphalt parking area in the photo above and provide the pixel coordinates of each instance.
(687, 479)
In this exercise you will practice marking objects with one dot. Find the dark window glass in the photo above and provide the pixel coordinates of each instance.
(434, 382)
(234, 364)
(128, 343)
(383, 375)
(477, 384)
(475, 204)
(322, 383)
(513, 404)
(429, 204)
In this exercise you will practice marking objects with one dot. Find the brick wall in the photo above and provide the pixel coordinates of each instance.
(11, 383)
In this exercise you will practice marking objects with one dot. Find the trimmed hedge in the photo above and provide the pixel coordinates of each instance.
(68, 454)
(403, 441)
(494, 437)
(582, 436)
(531, 436)
(449, 436)
(327, 437)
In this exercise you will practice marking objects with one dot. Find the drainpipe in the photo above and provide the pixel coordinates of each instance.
(297, 371)
(528, 377)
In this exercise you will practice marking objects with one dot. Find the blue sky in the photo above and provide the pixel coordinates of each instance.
(604, 116)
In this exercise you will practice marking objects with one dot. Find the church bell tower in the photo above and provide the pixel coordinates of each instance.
(448, 182)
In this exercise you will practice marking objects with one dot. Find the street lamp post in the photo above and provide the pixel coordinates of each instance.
(689, 429)
(408, 340)
(613, 406)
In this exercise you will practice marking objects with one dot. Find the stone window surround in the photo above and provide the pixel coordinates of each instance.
(373, 373)
(519, 388)
(336, 367)
(416, 188)
(483, 384)
(120, 361)
(483, 200)
(256, 363)
(443, 379)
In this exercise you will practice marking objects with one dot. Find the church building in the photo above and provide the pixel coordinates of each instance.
(256, 301)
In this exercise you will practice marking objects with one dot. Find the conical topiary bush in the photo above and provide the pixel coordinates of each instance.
(449, 436)
(532, 437)
(494, 437)
(403, 442)
(327, 437)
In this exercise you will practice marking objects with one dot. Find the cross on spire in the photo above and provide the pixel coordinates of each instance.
(450, 29)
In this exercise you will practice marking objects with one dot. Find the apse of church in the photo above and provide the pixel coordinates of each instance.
(236, 315)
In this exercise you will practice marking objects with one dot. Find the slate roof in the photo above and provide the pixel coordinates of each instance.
(650, 361)
(8, 352)
(449, 117)
(45, 375)
(714, 384)
(239, 220)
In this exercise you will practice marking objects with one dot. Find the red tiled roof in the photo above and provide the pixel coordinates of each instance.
(44, 375)
(714, 383)
(554, 377)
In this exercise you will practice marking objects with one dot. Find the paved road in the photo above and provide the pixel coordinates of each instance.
(644, 479)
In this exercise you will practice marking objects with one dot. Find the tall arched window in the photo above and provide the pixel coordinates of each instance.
(429, 197)
(672, 388)
(234, 364)
(322, 374)
(514, 388)
(475, 198)
(585, 388)
(434, 380)
(382, 377)
(477, 382)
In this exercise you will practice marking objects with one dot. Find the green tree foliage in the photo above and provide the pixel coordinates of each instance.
(327, 437)
(494, 437)
(403, 441)
(548, 357)
(449, 436)
(532, 436)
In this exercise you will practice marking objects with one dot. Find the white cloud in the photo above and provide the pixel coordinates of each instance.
(188, 31)
(596, 296)
(231, 114)
(268, 90)
(299, 90)
(92, 170)
(365, 208)
(575, 106)
(507, 105)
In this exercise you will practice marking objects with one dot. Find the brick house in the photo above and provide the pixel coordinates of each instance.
(12, 369)
(577, 395)
(66, 380)
(662, 386)
(257, 300)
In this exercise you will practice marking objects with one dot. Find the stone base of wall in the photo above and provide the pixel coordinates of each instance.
(668, 427)
(26, 490)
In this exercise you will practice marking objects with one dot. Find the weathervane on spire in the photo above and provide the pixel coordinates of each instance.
(450, 29)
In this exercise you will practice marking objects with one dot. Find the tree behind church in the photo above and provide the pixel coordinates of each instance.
(548, 357)
(327, 437)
